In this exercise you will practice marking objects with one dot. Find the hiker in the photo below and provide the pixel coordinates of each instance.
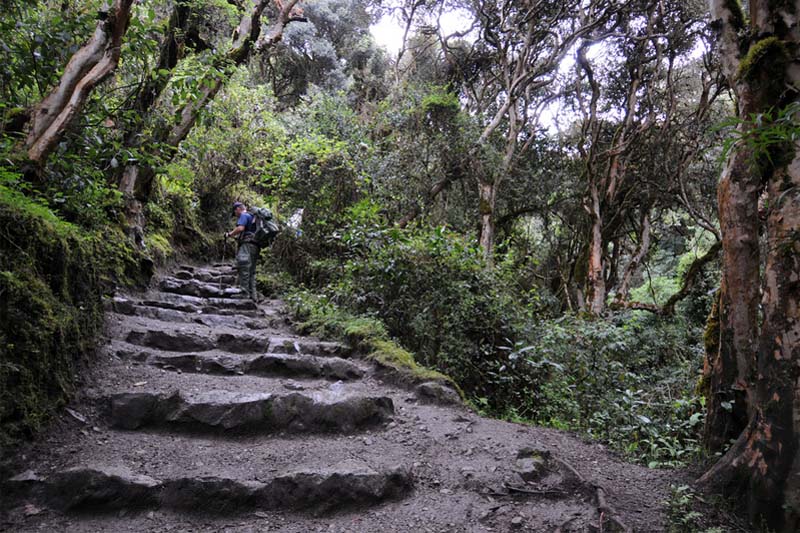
(248, 252)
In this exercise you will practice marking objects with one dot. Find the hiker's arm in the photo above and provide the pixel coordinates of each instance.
(236, 231)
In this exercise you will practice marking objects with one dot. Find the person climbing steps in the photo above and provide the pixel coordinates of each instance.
(247, 252)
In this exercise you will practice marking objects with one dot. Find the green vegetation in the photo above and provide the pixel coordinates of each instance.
(368, 335)
(52, 277)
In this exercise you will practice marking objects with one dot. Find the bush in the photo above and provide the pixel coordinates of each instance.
(627, 381)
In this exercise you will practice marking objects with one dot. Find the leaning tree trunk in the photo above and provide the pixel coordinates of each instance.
(89, 66)
(139, 179)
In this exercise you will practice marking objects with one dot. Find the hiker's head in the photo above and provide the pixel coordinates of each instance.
(238, 208)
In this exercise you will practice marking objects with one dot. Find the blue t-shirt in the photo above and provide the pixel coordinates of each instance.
(249, 222)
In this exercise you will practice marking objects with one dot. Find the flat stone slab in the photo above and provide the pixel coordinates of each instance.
(187, 341)
(193, 287)
(108, 488)
(221, 410)
(273, 364)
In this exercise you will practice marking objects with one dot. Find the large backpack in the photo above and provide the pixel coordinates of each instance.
(266, 226)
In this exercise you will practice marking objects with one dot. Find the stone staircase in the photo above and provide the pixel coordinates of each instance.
(206, 413)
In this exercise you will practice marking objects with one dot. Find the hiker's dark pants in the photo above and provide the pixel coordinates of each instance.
(246, 260)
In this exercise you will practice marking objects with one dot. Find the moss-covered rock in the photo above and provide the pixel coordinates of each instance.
(52, 277)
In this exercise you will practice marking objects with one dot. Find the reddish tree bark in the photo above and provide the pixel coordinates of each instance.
(763, 466)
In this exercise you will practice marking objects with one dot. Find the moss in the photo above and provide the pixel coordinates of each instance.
(389, 354)
(52, 278)
(441, 102)
(366, 334)
(159, 248)
(711, 345)
(765, 60)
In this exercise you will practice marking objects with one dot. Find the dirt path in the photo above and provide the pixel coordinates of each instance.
(206, 413)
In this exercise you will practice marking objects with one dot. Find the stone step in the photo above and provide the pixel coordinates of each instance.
(192, 315)
(199, 338)
(192, 287)
(253, 312)
(183, 302)
(207, 276)
(272, 364)
(193, 341)
(219, 410)
(103, 488)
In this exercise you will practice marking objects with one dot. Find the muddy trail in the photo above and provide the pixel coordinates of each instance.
(205, 412)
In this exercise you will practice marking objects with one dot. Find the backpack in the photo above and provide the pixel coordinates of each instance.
(266, 226)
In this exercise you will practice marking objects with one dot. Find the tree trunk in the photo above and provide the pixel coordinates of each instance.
(636, 260)
(595, 276)
(89, 66)
(764, 465)
(487, 194)
(732, 368)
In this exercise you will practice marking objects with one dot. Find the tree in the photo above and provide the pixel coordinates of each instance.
(755, 367)
(638, 78)
(89, 66)
(138, 177)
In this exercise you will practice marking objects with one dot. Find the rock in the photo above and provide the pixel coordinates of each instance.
(123, 306)
(517, 521)
(26, 476)
(104, 486)
(265, 412)
(436, 393)
(211, 494)
(347, 483)
(133, 410)
(242, 343)
(174, 341)
(531, 464)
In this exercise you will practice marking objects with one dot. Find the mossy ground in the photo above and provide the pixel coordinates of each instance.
(52, 278)
(368, 335)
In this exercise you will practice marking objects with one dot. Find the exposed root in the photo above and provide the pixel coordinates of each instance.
(604, 511)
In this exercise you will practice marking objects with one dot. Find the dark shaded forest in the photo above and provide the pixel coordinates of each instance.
(584, 213)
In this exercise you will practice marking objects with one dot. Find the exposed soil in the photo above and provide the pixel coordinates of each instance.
(207, 413)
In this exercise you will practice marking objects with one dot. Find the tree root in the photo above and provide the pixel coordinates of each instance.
(604, 511)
